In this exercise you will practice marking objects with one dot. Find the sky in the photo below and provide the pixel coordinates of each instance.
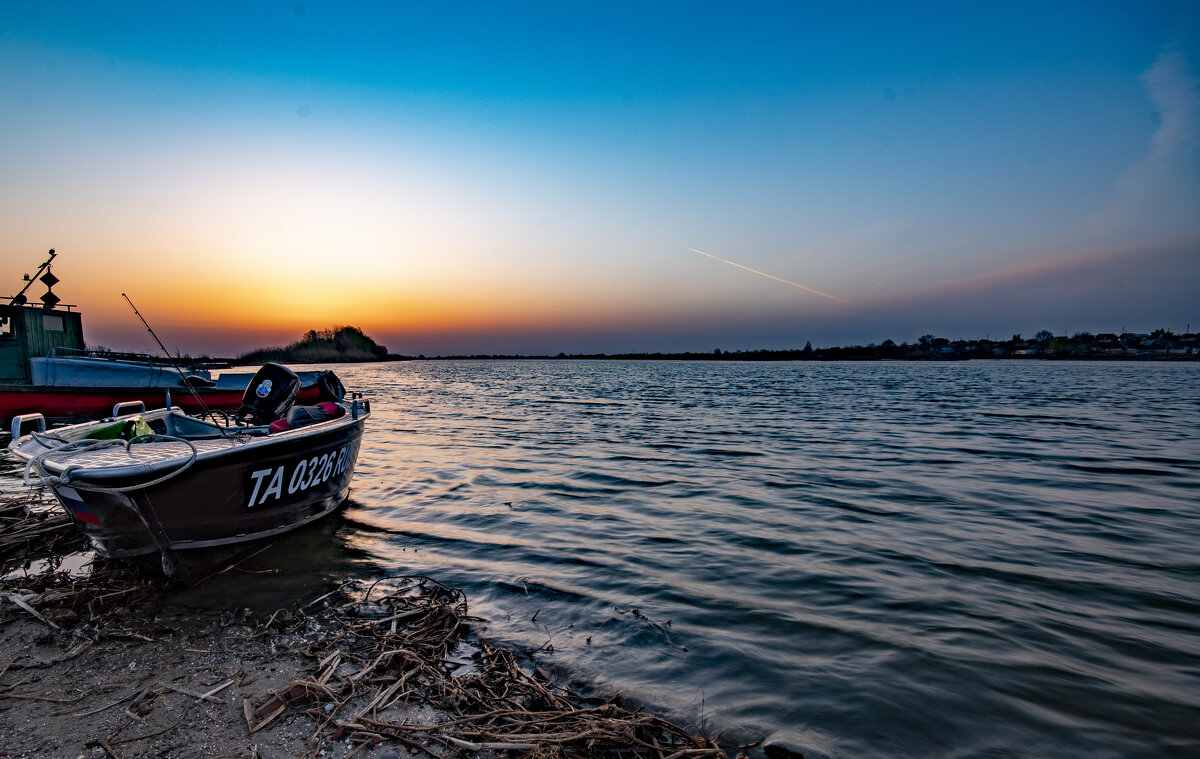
(603, 177)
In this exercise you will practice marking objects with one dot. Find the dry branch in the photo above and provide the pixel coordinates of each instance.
(498, 706)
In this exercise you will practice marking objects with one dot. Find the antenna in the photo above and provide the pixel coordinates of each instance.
(170, 358)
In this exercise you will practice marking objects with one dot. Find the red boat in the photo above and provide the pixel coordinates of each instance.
(45, 368)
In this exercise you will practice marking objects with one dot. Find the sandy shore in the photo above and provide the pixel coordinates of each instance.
(95, 664)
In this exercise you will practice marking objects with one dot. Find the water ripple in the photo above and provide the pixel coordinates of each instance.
(979, 559)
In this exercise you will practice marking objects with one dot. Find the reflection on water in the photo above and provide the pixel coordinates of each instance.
(908, 559)
(952, 560)
(77, 565)
(279, 573)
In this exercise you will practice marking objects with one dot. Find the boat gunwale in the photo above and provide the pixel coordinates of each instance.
(230, 445)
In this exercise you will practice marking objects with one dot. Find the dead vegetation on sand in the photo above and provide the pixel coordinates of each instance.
(93, 665)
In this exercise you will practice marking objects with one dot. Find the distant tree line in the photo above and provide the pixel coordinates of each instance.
(1158, 345)
(337, 344)
(347, 344)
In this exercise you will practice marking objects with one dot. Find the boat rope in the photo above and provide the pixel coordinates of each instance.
(70, 449)
(42, 437)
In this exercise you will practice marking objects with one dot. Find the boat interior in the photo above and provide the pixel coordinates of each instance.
(268, 407)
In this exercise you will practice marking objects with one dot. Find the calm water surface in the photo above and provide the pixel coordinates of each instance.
(977, 559)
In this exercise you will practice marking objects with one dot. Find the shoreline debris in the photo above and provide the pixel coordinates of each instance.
(365, 670)
(371, 663)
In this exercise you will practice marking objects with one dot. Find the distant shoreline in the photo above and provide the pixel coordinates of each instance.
(756, 356)
(729, 356)
(1160, 345)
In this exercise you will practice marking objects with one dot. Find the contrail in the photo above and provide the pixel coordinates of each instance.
(771, 276)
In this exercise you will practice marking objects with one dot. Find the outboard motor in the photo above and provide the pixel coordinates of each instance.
(270, 394)
(330, 387)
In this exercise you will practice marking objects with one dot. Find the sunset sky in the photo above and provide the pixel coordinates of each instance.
(544, 177)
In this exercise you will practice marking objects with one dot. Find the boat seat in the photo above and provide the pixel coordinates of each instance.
(302, 416)
(191, 428)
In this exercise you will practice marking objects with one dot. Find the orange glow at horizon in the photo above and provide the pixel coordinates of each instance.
(294, 304)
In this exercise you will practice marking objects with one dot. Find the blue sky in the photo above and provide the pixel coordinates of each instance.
(533, 177)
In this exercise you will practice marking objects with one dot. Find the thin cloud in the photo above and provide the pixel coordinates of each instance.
(1157, 192)
(805, 288)
(1153, 275)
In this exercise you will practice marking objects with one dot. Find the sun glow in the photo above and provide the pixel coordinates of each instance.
(308, 170)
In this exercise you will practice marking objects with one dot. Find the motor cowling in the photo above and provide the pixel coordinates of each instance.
(270, 394)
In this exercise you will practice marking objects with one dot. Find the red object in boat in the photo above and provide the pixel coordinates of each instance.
(68, 402)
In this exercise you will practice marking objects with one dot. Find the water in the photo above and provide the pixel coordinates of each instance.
(976, 559)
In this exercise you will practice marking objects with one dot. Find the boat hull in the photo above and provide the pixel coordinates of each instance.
(244, 494)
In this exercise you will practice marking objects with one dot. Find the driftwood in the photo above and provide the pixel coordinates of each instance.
(34, 526)
(392, 648)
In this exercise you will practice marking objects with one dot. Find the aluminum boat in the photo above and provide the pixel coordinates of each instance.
(162, 481)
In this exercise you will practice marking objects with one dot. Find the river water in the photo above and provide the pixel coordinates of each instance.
(969, 559)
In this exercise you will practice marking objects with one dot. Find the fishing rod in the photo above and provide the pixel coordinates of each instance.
(170, 358)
